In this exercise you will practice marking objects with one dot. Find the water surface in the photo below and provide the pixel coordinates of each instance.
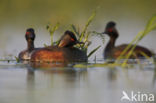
(21, 83)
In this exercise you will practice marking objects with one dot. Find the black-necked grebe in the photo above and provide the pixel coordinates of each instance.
(30, 37)
(112, 52)
(63, 52)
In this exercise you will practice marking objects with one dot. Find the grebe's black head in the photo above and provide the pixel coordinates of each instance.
(110, 30)
(68, 40)
(30, 34)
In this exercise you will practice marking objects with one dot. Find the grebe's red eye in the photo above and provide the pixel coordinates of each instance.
(72, 39)
(110, 30)
(27, 33)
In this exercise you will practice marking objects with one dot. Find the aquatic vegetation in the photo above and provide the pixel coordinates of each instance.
(17, 59)
(52, 30)
(93, 51)
(82, 36)
(96, 65)
(85, 35)
(100, 35)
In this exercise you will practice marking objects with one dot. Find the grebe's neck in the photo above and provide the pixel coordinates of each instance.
(110, 45)
(30, 45)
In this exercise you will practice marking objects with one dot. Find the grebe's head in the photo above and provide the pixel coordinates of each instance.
(68, 40)
(30, 34)
(110, 30)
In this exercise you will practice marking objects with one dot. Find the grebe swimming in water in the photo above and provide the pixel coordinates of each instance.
(63, 52)
(30, 37)
(112, 52)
